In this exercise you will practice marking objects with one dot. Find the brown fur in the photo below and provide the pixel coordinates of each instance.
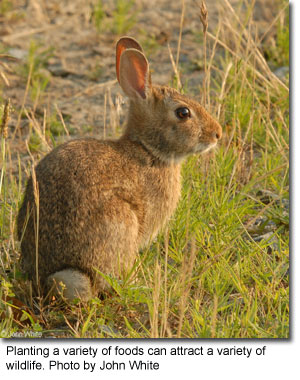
(100, 201)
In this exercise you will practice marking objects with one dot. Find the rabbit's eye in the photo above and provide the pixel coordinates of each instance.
(182, 112)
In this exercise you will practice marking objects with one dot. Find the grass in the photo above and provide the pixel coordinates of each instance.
(278, 55)
(119, 21)
(36, 61)
(221, 269)
(5, 7)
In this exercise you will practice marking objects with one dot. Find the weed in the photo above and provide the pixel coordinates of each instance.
(278, 53)
(149, 43)
(124, 16)
(98, 16)
(121, 20)
(34, 69)
(41, 137)
(5, 6)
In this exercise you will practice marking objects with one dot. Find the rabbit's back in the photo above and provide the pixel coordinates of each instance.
(98, 202)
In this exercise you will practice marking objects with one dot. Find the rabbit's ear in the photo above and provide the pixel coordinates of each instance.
(134, 74)
(123, 44)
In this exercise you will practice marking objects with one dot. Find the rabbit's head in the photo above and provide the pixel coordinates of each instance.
(168, 124)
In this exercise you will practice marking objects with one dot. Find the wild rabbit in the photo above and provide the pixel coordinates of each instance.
(100, 201)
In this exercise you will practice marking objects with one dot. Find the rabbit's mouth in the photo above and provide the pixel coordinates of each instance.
(205, 147)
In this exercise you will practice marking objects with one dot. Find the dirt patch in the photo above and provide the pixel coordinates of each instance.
(77, 63)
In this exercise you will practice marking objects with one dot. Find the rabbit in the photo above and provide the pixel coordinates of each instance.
(100, 201)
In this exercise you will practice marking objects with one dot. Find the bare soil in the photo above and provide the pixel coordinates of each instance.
(81, 66)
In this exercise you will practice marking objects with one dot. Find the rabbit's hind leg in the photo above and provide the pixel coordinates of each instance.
(71, 284)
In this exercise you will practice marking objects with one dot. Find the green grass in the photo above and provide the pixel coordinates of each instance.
(33, 69)
(221, 270)
(278, 55)
(119, 20)
(5, 7)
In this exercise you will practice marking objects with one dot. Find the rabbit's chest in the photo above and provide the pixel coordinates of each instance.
(163, 196)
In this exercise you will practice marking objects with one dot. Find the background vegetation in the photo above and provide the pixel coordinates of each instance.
(221, 269)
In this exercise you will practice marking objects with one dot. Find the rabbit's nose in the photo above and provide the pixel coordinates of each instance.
(217, 132)
(218, 135)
